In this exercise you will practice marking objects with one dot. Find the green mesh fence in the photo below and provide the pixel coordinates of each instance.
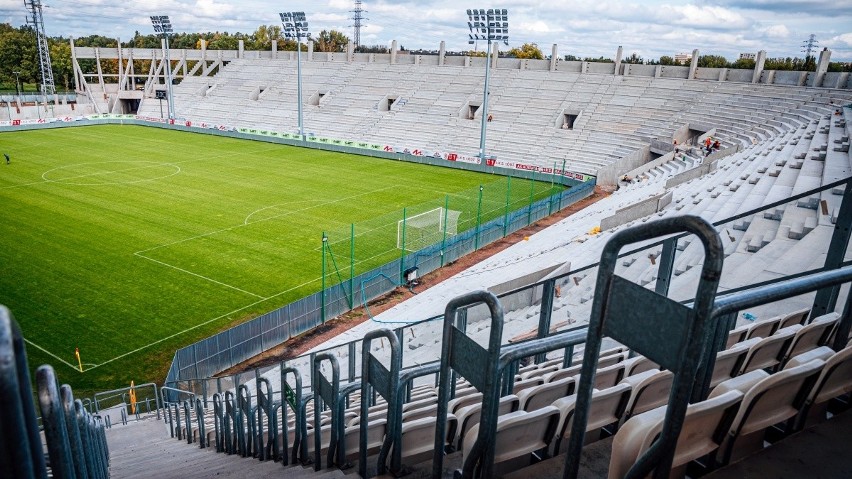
(364, 245)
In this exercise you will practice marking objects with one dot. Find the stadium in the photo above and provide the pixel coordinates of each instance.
(315, 261)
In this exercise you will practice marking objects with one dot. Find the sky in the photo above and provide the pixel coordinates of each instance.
(585, 28)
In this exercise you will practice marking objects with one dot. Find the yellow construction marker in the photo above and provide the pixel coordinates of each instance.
(132, 398)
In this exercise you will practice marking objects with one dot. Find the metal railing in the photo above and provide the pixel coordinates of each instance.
(75, 438)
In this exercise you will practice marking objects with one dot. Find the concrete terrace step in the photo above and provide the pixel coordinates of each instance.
(144, 449)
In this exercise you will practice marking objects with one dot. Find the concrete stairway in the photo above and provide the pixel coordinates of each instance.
(144, 449)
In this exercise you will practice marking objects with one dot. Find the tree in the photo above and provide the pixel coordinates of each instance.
(667, 60)
(263, 37)
(331, 41)
(60, 60)
(712, 61)
(572, 58)
(372, 49)
(475, 53)
(527, 50)
(634, 58)
(744, 63)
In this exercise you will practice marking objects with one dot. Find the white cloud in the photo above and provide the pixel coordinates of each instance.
(776, 31)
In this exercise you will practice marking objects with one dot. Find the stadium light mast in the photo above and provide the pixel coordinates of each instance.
(163, 25)
(295, 26)
(491, 25)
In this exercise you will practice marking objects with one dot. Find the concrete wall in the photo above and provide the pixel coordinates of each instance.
(708, 73)
(744, 76)
(672, 71)
(604, 68)
(609, 175)
(634, 212)
(688, 175)
(640, 70)
(788, 78)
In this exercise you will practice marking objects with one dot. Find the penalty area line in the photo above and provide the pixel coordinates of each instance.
(45, 351)
(199, 276)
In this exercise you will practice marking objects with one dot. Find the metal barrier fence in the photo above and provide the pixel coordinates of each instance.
(242, 342)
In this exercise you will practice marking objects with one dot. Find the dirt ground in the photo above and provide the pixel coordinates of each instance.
(333, 327)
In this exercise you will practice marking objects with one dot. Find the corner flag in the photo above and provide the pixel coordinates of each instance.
(79, 362)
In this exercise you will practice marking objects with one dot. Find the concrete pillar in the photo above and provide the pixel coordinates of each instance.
(442, 52)
(466, 61)
(350, 52)
(693, 65)
(77, 81)
(618, 54)
(584, 65)
(554, 55)
(203, 53)
(723, 74)
(495, 53)
(274, 48)
(759, 63)
(822, 66)
(120, 61)
(393, 53)
(240, 49)
(310, 50)
(658, 72)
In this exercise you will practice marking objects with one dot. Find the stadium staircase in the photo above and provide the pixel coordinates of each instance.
(143, 449)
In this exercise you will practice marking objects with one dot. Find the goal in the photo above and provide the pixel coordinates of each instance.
(426, 229)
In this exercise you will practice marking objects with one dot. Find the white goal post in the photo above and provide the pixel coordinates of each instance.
(425, 229)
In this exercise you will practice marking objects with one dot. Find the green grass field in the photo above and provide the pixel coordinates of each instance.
(130, 242)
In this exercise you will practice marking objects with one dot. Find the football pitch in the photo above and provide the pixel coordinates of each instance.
(130, 242)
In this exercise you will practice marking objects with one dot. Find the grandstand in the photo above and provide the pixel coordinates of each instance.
(696, 312)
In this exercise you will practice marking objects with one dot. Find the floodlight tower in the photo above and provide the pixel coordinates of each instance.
(295, 26)
(163, 25)
(489, 25)
(37, 22)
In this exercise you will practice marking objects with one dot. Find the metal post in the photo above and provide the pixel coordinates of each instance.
(664, 273)
(485, 94)
(169, 81)
(562, 182)
(444, 239)
(322, 291)
(508, 200)
(826, 298)
(532, 193)
(299, 84)
(478, 219)
(351, 265)
(402, 251)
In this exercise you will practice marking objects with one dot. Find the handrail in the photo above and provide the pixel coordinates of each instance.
(101, 395)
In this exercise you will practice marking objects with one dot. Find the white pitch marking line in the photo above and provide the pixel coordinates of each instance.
(204, 323)
(258, 221)
(51, 355)
(199, 275)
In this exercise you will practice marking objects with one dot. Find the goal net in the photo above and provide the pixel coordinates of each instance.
(425, 229)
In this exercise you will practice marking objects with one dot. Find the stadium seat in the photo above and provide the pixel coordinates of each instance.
(704, 427)
(543, 395)
(769, 400)
(519, 434)
(418, 438)
(468, 417)
(834, 380)
(813, 335)
(730, 362)
(606, 408)
(768, 352)
(649, 390)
